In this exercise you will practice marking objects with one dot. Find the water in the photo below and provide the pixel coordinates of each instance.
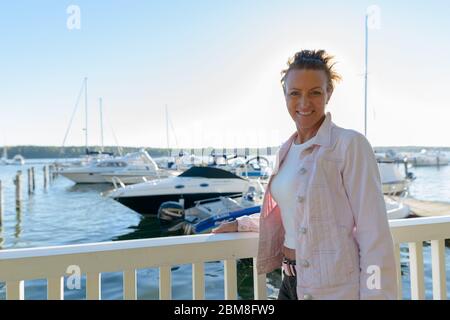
(72, 214)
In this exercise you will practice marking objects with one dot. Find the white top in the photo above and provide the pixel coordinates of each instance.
(283, 187)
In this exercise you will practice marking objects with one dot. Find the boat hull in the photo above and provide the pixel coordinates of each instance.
(84, 177)
(149, 205)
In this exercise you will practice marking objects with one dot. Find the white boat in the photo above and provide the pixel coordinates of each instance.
(196, 183)
(88, 159)
(17, 160)
(138, 174)
(394, 177)
(99, 171)
(258, 167)
(208, 213)
(396, 209)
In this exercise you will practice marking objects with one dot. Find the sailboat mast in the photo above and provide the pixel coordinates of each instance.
(167, 131)
(86, 111)
(365, 74)
(101, 122)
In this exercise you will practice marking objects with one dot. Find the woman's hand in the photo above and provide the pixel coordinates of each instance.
(226, 227)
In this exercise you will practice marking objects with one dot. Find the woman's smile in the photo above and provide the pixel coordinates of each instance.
(304, 113)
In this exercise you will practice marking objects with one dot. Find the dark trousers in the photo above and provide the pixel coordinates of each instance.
(288, 289)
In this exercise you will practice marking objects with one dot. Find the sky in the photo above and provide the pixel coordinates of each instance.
(216, 66)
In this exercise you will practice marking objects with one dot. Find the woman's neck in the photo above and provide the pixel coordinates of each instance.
(304, 134)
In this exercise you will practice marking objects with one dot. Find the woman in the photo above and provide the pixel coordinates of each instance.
(323, 218)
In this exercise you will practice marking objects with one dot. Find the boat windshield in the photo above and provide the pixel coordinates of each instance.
(209, 172)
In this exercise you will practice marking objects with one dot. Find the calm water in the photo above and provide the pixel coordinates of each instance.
(71, 214)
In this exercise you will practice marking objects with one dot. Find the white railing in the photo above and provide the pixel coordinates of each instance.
(51, 263)
(414, 232)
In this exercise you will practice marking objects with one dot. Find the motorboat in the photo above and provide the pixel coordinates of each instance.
(137, 174)
(396, 209)
(131, 165)
(196, 183)
(208, 213)
(258, 167)
(17, 160)
(395, 178)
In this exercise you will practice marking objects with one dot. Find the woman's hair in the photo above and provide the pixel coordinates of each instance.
(315, 60)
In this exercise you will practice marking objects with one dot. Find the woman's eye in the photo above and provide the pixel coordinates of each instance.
(294, 94)
(316, 93)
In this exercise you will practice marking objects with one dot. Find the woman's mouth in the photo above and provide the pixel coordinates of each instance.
(304, 113)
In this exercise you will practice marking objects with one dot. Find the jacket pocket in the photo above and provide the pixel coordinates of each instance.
(330, 262)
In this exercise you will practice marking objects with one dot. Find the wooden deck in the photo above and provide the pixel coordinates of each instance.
(422, 208)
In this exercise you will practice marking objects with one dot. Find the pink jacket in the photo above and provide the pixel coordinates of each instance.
(344, 248)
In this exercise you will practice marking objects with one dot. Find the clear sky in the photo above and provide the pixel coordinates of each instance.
(216, 65)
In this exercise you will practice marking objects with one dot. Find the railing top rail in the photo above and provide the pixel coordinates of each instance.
(124, 245)
(395, 223)
(398, 227)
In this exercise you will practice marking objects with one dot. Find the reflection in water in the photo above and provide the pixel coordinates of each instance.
(89, 188)
(148, 227)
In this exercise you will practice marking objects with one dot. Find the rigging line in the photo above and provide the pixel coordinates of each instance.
(174, 134)
(73, 114)
(119, 148)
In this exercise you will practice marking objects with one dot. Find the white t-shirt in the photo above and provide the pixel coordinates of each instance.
(283, 187)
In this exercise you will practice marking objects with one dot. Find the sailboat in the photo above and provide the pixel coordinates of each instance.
(16, 160)
(89, 157)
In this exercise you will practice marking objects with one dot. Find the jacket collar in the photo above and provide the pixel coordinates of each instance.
(322, 138)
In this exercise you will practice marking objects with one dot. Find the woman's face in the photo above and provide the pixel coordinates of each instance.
(306, 96)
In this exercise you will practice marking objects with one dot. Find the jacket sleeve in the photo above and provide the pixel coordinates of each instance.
(361, 178)
(248, 223)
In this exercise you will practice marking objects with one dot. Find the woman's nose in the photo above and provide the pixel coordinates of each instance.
(303, 102)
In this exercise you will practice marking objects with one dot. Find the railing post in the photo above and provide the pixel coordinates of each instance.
(55, 288)
(259, 283)
(438, 269)
(416, 270)
(93, 286)
(198, 281)
(230, 276)
(15, 290)
(398, 266)
(129, 285)
(165, 283)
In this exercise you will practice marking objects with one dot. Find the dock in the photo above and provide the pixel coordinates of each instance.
(423, 208)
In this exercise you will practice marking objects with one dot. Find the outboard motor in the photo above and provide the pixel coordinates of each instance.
(170, 211)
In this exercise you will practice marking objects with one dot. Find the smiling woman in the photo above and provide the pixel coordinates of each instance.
(323, 218)
(308, 84)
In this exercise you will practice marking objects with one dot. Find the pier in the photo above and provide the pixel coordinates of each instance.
(423, 208)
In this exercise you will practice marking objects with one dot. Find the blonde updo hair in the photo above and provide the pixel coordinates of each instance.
(313, 60)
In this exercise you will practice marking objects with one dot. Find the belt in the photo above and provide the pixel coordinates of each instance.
(288, 267)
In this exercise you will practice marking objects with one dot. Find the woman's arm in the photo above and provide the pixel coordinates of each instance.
(241, 224)
(378, 277)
